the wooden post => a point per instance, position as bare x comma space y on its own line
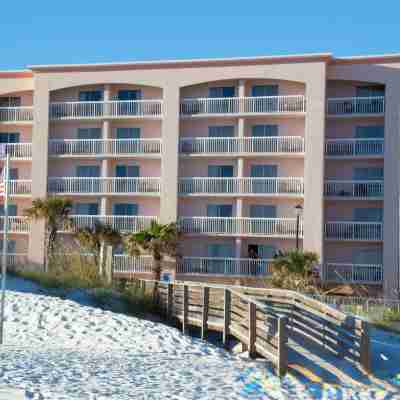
170, 300
109, 264
185, 308
282, 346
252, 329
227, 316
206, 298
365, 357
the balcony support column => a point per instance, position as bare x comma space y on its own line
106, 134
240, 174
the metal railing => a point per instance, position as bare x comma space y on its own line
223, 266
353, 273
19, 150
16, 114
279, 144
16, 224
126, 265
14, 259
128, 223
72, 185
354, 147
355, 105
70, 147
243, 105
356, 189
271, 186
272, 227
369, 231
20, 187
106, 109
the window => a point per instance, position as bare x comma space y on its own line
264, 90
219, 210
368, 173
91, 95
368, 256
220, 250
11, 247
129, 95
368, 214
9, 137
86, 209
220, 171
12, 210
264, 171
88, 171
370, 91
10, 101
125, 209
13, 173
264, 130
262, 211
221, 131
369, 132
127, 171
89, 133
128, 133
225, 91
261, 251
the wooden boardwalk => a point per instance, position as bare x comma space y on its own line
285, 327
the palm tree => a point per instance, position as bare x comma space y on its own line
159, 240
95, 238
55, 212
293, 269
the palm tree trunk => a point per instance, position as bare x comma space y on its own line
101, 259
157, 276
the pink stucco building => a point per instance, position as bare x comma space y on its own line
228, 147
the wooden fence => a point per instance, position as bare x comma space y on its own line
266, 321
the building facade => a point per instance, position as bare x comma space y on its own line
249, 155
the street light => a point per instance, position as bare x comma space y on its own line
299, 210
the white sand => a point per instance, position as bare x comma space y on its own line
61, 349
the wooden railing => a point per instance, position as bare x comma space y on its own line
279, 144
101, 147
16, 114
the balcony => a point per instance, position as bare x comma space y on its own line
354, 231
243, 106
354, 148
114, 109
292, 187
355, 106
123, 223
17, 115
16, 224
16, 259
223, 266
19, 151
125, 265
100, 186
353, 273
235, 226
104, 147
20, 187
242, 146
357, 190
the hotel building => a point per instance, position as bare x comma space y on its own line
249, 155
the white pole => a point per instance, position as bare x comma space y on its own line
5, 248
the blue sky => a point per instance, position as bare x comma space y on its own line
71, 31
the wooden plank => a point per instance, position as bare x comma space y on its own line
227, 314
206, 296
252, 329
185, 310
266, 354
365, 347
282, 346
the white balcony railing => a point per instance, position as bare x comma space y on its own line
123, 223
279, 144
106, 109
244, 105
72, 185
354, 147
20, 187
223, 266
353, 273
235, 186
355, 105
272, 227
369, 231
16, 114
70, 147
354, 189
19, 150
16, 224
14, 259
126, 265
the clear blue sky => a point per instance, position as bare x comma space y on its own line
71, 31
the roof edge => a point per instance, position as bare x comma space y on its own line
21, 73
373, 59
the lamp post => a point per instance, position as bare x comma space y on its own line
299, 210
